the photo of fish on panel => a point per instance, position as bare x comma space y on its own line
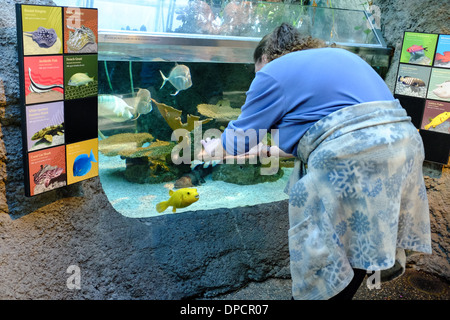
439, 85
442, 57
418, 48
140, 107
436, 116
412, 80
44, 79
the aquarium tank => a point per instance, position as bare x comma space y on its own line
174, 72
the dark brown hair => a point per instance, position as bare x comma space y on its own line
283, 40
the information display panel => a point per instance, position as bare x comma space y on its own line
57, 50
423, 88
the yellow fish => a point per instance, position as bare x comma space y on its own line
440, 118
178, 199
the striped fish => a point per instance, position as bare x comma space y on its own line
411, 81
45, 175
40, 88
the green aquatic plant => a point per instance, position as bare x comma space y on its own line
131, 78
109, 79
107, 76
158, 150
124, 144
135, 145
221, 112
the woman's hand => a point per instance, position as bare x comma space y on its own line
213, 147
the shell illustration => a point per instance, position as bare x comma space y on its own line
79, 38
45, 38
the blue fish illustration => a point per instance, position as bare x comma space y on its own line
82, 164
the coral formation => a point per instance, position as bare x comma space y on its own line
221, 112
243, 174
130, 145
173, 117
144, 164
124, 144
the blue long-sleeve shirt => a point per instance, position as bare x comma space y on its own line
294, 91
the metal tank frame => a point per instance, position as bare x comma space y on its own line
127, 45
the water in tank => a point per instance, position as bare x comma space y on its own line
171, 73
142, 105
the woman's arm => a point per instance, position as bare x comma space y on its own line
213, 149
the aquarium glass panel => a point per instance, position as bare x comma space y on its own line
232, 18
193, 30
139, 114
166, 66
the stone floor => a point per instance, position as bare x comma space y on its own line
413, 285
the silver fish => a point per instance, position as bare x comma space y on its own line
114, 108
179, 77
40, 88
143, 104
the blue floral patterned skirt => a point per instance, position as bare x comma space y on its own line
362, 201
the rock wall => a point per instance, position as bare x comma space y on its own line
398, 16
